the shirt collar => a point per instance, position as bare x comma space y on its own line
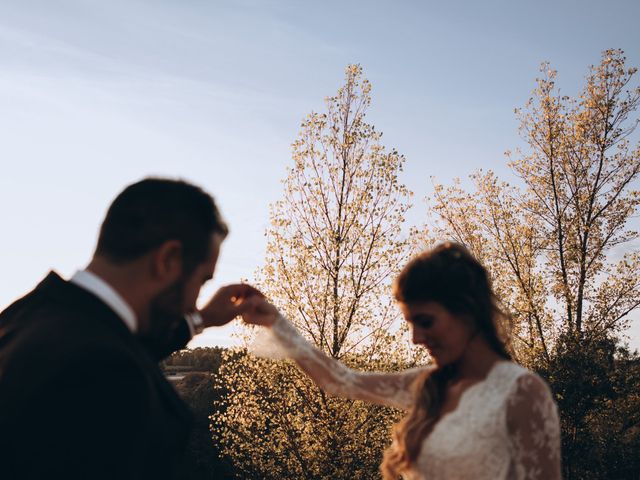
101, 289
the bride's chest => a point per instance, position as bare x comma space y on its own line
478, 416
471, 437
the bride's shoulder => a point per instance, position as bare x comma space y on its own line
514, 369
524, 382
509, 369
511, 375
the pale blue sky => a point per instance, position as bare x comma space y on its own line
95, 95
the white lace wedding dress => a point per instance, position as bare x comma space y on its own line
504, 427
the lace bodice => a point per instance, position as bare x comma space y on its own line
504, 427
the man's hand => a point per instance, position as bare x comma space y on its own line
263, 313
228, 303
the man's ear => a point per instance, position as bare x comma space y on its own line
166, 261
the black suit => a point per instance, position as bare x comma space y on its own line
80, 396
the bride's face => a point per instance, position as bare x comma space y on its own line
443, 334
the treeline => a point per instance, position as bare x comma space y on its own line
196, 359
203, 459
598, 392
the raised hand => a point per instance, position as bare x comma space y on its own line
263, 313
229, 302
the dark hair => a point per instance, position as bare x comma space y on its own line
452, 277
154, 210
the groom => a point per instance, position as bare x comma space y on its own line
81, 394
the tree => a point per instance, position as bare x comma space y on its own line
549, 244
553, 245
597, 393
333, 247
275, 423
335, 240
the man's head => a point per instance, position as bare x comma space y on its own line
155, 210
168, 233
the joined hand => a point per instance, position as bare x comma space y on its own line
228, 303
263, 313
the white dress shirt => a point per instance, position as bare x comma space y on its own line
101, 289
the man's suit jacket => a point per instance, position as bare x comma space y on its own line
80, 396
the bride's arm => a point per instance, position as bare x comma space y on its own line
389, 389
534, 429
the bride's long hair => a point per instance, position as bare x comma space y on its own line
452, 277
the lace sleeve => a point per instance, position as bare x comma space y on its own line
390, 389
534, 429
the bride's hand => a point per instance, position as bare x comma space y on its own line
263, 313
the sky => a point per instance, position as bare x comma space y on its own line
96, 95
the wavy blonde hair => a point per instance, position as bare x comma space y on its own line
452, 277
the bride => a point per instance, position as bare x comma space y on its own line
475, 414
